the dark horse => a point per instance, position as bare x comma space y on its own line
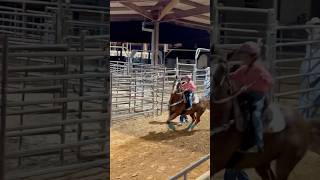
177, 105
286, 147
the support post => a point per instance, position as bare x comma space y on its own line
155, 43
3, 105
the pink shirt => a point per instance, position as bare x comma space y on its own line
257, 74
189, 86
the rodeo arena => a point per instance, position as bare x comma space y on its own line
63, 82
144, 75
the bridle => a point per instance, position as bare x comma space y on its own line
179, 93
225, 79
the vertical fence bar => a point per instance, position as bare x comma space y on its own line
3, 105
163, 87
81, 90
271, 43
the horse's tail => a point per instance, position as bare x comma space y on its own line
315, 135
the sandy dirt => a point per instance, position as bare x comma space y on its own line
145, 149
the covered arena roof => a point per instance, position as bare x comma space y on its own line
190, 13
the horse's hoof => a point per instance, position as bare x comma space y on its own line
190, 128
171, 126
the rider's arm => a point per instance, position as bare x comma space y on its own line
265, 76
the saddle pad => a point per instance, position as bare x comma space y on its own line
273, 122
196, 99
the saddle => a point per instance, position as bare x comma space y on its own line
195, 99
272, 117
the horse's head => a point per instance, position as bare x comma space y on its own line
176, 102
222, 88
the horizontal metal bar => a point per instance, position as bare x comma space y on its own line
297, 75
190, 167
239, 30
300, 43
296, 92
56, 100
25, 29
24, 174
241, 9
49, 130
25, 14
47, 110
40, 68
59, 123
59, 54
46, 47
295, 27
54, 148
57, 77
296, 59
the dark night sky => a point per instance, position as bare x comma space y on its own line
169, 33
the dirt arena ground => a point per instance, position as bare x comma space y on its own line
145, 149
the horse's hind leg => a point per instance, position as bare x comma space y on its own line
265, 172
286, 163
193, 116
198, 115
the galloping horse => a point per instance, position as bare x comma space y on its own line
286, 147
177, 105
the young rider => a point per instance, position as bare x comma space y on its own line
188, 86
255, 82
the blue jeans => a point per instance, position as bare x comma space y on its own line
183, 118
257, 122
232, 174
188, 95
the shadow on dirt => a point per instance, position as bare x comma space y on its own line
169, 135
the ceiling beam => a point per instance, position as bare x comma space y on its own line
191, 3
127, 17
167, 8
120, 1
179, 14
138, 9
191, 24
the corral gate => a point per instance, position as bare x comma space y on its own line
54, 100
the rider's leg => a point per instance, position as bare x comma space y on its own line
257, 123
189, 99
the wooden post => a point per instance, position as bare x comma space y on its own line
3, 105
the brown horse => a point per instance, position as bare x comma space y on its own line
287, 147
177, 105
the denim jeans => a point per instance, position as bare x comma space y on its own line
232, 174
257, 122
188, 95
183, 118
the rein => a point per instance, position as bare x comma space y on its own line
174, 104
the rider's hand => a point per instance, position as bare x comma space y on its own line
243, 88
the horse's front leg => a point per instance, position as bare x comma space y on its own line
170, 118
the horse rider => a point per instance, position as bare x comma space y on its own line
188, 87
255, 82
